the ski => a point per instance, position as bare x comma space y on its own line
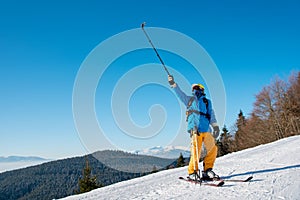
217, 183
214, 184
239, 180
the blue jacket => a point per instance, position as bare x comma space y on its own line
196, 120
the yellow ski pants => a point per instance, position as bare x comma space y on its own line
211, 149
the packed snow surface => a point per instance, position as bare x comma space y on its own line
275, 168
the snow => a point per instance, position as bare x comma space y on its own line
275, 167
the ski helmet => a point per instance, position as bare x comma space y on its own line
197, 86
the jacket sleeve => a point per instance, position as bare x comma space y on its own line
182, 96
213, 120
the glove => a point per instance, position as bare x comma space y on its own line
194, 132
216, 131
171, 80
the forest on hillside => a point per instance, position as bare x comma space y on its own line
57, 179
275, 115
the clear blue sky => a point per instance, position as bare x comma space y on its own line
43, 44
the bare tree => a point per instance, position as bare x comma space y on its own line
275, 115
293, 104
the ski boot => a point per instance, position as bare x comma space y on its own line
194, 176
209, 175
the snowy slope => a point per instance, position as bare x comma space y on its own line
275, 167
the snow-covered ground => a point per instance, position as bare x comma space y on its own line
275, 167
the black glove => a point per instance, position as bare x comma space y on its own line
171, 80
194, 132
216, 131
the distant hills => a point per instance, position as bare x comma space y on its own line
171, 152
17, 162
21, 159
56, 179
134, 163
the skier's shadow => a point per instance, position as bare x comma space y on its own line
261, 172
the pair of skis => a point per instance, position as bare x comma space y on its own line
217, 183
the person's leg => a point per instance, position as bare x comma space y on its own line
212, 150
196, 144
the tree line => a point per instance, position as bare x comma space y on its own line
275, 115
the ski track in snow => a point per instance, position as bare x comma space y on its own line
275, 167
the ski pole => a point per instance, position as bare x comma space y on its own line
197, 156
162, 62
194, 152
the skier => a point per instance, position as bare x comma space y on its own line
200, 116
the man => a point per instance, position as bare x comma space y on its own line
200, 116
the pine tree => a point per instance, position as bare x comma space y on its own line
88, 182
225, 143
180, 161
241, 136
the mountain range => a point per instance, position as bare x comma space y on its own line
56, 179
171, 152
21, 159
168, 152
16, 162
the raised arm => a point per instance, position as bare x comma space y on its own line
182, 96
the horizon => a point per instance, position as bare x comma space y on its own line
89, 153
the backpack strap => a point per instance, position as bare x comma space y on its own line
189, 112
207, 115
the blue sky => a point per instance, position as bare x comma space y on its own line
43, 45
